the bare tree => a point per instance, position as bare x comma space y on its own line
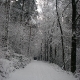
58, 19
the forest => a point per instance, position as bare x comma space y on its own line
42, 30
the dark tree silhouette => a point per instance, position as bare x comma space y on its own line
73, 51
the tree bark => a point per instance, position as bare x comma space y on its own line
73, 50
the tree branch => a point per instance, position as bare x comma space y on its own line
77, 1
77, 18
66, 8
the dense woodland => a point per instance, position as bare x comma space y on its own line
46, 30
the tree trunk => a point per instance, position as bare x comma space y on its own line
51, 53
55, 51
21, 15
29, 46
7, 8
47, 50
58, 19
73, 51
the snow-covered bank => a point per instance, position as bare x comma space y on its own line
38, 70
10, 61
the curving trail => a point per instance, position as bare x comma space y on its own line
38, 70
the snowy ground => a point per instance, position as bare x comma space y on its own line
38, 70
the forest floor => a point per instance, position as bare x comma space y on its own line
38, 70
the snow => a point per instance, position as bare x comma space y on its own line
6, 67
38, 70
10, 63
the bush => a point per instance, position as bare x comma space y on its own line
19, 61
6, 67
11, 63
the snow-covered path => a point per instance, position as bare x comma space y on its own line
38, 70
